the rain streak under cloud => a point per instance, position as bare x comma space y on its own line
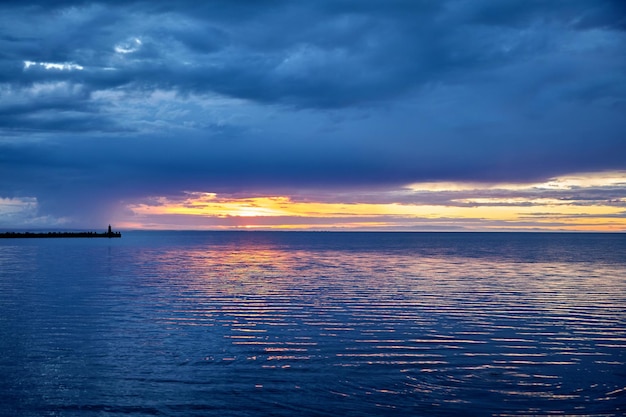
391, 115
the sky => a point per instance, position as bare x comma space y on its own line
408, 115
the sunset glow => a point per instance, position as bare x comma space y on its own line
538, 206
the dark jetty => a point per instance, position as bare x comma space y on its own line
108, 234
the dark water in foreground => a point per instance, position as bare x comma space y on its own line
313, 324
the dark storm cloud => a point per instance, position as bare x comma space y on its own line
140, 98
320, 54
581, 14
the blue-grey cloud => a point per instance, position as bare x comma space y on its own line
137, 98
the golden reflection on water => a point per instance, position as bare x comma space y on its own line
535, 285
274, 280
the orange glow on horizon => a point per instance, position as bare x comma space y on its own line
468, 207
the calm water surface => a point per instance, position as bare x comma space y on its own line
313, 324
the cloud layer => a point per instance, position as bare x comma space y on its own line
107, 103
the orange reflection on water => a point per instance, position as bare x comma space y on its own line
265, 283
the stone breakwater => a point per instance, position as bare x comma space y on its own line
8, 235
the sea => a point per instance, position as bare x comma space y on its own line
255, 323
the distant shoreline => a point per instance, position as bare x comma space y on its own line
21, 235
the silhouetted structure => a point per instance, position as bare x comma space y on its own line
110, 233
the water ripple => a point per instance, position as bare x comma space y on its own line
268, 326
